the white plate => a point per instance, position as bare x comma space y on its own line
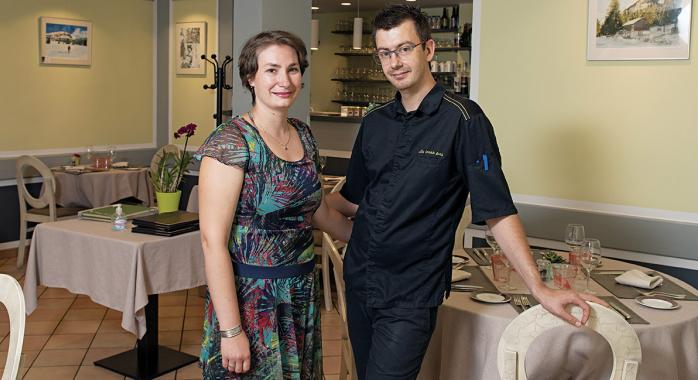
490, 297
457, 259
657, 302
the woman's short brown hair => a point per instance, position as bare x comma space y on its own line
247, 62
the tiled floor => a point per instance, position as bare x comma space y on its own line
68, 332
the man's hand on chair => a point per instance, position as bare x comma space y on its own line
555, 301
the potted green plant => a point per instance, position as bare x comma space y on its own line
168, 175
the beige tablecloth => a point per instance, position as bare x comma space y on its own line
98, 189
464, 343
115, 269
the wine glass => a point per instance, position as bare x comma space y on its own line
322, 161
590, 258
111, 151
89, 153
574, 237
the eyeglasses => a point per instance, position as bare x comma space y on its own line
383, 55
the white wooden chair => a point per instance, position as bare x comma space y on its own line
155, 161
525, 328
324, 260
193, 202
12, 298
346, 362
43, 208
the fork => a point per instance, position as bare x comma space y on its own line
526, 302
517, 301
665, 294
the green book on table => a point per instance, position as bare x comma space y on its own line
105, 213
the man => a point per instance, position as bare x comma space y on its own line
414, 162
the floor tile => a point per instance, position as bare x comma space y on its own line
170, 338
331, 377
26, 361
120, 339
46, 315
331, 332
85, 314
170, 324
94, 354
77, 327
194, 300
113, 314
69, 341
190, 372
55, 358
31, 343
330, 365
54, 303
191, 337
172, 300
331, 347
170, 311
110, 325
39, 327
57, 293
194, 323
96, 373
192, 349
51, 373
85, 303
195, 311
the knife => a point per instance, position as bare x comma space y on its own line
476, 253
620, 311
483, 254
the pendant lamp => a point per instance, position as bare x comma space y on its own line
358, 29
314, 34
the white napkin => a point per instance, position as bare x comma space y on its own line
458, 275
638, 279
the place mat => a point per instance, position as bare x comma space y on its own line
607, 279
480, 255
634, 318
478, 278
531, 300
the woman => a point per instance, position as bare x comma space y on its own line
258, 193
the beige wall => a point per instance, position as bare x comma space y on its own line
54, 107
622, 133
190, 102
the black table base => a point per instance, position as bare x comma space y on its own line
148, 360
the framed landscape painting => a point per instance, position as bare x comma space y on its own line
638, 29
65, 41
190, 44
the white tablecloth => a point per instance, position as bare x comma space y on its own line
464, 343
102, 188
116, 269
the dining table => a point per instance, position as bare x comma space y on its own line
88, 187
465, 340
121, 270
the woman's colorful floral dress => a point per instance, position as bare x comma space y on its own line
272, 227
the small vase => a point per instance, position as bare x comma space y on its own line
168, 202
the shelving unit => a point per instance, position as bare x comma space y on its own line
360, 80
351, 103
349, 32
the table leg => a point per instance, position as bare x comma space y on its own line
148, 360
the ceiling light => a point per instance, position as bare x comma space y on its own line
314, 8
345, 4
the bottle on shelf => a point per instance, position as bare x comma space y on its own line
118, 219
454, 16
444, 19
456, 37
465, 35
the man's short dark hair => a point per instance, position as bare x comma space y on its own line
247, 63
394, 15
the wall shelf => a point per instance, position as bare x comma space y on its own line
351, 103
353, 54
348, 32
452, 49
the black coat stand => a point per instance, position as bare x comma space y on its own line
218, 84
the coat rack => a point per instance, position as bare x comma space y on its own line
218, 84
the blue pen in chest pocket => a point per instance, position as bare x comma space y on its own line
485, 163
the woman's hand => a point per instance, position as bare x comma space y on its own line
235, 353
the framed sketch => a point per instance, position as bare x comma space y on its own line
190, 44
638, 29
65, 41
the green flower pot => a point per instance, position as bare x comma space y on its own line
168, 202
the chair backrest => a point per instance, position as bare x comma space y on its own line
155, 161
525, 328
12, 297
47, 197
338, 269
465, 220
193, 202
339, 185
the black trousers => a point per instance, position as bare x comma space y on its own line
388, 343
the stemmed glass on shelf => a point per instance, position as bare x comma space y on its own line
590, 258
574, 237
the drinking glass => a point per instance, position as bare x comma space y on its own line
322, 161
590, 258
111, 152
574, 237
89, 153
501, 271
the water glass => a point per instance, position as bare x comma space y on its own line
501, 271
574, 237
590, 256
563, 275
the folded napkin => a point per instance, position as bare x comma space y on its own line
638, 279
458, 275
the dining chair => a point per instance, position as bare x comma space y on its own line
525, 328
43, 208
324, 260
193, 202
157, 157
346, 361
12, 298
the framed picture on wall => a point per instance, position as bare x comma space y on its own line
638, 29
190, 44
65, 41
